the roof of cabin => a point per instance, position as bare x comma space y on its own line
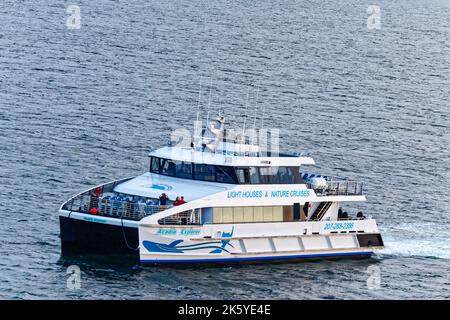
229, 158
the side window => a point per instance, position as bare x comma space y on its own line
267, 174
288, 176
167, 167
254, 175
154, 166
204, 172
183, 169
243, 175
225, 174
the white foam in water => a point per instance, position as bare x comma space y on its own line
417, 239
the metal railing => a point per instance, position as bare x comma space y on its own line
335, 188
103, 201
111, 207
351, 218
116, 206
190, 217
105, 188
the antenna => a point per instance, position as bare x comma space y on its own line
256, 114
262, 129
199, 97
262, 117
209, 101
245, 116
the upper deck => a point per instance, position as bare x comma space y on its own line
215, 145
215, 173
228, 157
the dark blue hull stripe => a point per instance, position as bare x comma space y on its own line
319, 255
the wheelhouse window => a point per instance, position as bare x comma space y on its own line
268, 175
243, 175
154, 164
225, 174
167, 167
183, 169
204, 172
254, 175
278, 175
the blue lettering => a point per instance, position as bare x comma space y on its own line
166, 231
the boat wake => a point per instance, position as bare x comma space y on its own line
416, 239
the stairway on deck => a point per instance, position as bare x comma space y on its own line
321, 210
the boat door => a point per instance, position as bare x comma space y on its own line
297, 209
299, 214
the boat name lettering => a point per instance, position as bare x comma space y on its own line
94, 220
173, 232
189, 232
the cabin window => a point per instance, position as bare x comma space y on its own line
183, 169
254, 175
268, 175
243, 175
204, 172
167, 167
251, 214
225, 175
284, 175
154, 165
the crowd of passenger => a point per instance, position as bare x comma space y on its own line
113, 204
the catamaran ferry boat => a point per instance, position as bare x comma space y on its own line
242, 204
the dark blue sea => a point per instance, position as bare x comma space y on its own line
79, 107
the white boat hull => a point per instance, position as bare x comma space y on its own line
291, 241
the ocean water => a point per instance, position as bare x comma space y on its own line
83, 106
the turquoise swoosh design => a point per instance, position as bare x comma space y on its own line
174, 247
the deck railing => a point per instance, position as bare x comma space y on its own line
103, 201
190, 217
111, 207
341, 188
105, 188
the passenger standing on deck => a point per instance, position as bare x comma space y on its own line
177, 201
184, 218
163, 200
98, 192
